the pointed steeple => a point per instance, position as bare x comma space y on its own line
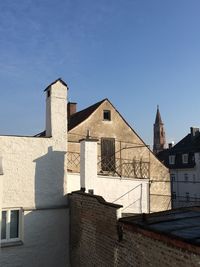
159, 133
158, 119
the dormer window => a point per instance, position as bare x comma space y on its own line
106, 115
172, 159
185, 158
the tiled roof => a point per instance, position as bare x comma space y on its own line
82, 115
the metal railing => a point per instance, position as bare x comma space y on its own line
124, 168
113, 166
73, 162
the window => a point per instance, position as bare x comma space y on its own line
106, 115
48, 93
187, 196
185, 177
172, 159
185, 158
108, 154
11, 222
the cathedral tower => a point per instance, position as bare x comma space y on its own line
159, 134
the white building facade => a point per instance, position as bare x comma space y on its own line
183, 161
186, 184
33, 207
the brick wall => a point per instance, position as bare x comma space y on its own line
93, 230
98, 239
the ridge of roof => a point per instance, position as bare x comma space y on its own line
60, 80
80, 116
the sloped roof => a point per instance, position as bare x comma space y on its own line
78, 117
60, 80
188, 145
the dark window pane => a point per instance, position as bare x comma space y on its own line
14, 224
108, 154
3, 225
107, 115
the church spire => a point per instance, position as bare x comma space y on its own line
158, 119
159, 133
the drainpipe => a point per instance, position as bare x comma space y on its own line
88, 164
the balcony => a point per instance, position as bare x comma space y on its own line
115, 166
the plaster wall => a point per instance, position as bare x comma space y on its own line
33, 172
46, 241
133, 194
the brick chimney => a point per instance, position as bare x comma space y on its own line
71, 108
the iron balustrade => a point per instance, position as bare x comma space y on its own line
120, 167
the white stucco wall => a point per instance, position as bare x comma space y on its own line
46, 238
34, 179
33, 172
133, 194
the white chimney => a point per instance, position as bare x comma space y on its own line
56, 109
88, 165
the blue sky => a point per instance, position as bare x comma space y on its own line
137, 53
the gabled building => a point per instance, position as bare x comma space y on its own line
183, 161
125, 162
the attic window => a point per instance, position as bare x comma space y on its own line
48, 93
106, 115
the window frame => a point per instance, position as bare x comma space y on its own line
172, 159
8, 239
185, 158
108, 112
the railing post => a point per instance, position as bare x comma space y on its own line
120, 161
